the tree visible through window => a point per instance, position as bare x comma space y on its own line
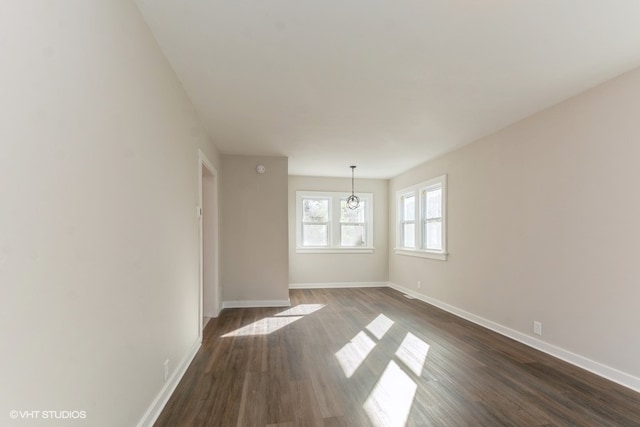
325, 223
352, 225
315, 222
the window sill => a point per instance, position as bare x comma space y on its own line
442, 256
334, 250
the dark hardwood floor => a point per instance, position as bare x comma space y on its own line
372, 357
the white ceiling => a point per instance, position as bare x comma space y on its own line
383, 84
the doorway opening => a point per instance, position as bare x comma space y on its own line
210, 295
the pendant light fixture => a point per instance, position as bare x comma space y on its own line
353, 201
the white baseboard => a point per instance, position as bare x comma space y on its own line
338, 285
257, 303
597, 368
167, 390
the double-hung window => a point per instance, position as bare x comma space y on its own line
421, 219
325, 224
408, 220
353, 225
315, 221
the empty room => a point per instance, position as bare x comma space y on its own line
292, 213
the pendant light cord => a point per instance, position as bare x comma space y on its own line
353, 168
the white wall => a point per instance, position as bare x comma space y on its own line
332, 269
98, 232
543, 225
253, 230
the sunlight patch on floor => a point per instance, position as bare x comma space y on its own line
413, 353
380, 325
354, 353
391, 399
264, 326
280, 320
301, 310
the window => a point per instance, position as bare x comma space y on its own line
408, 220
315, 222
421, 219
353, 227
432, 222
326, 224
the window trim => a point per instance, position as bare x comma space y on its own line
420, 190
334, 226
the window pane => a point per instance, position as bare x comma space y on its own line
434, 203
352, 215
352, 235
409, 208
315, 235
315, 210
408, 235
433, 235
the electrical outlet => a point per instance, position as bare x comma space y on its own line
537, 327
166, 370
418, 283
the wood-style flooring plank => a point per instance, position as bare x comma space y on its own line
372, 357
